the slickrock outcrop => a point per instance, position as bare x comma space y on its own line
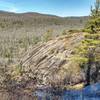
44, 66
49, 63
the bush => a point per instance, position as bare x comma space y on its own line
47, 36
36, 39
73, 31
65, 32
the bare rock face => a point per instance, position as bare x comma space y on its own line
42, 66
49, 63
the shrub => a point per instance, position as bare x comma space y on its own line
47, 36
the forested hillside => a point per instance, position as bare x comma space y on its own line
47, 52
19, 31
19, 20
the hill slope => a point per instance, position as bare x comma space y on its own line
50, 62
19, 30
19, 20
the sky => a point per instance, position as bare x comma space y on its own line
62, 8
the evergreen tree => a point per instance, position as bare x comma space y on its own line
93, 24
88, 53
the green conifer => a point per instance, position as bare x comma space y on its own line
88, 53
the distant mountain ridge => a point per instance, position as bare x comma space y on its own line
37, 13
9, 19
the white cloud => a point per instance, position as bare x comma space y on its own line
8, 6
13, 9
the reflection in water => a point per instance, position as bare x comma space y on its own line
89, 93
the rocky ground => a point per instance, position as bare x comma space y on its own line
44, 65
49, 63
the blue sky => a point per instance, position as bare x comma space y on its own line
55, 7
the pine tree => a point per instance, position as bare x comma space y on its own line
88, 53
93, 24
